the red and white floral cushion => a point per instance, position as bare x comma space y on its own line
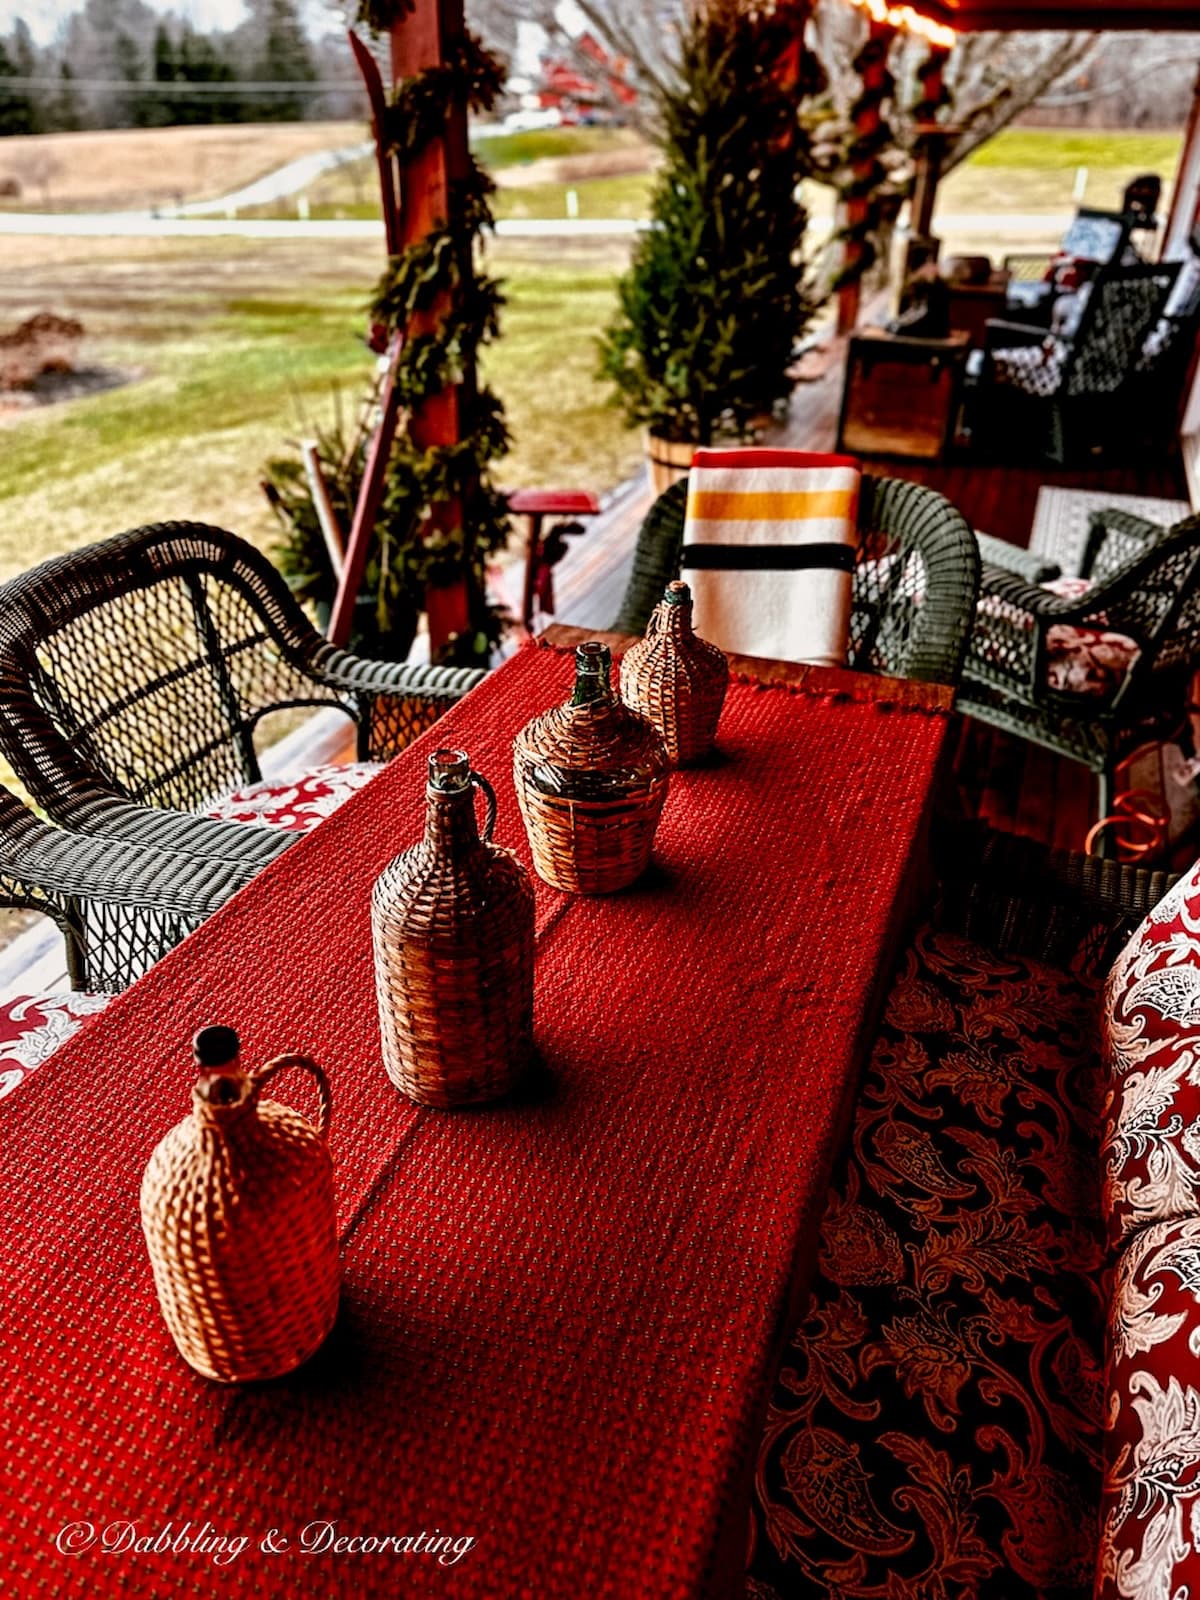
1151, 1144
297, 803
1150, 1530
33, 1026
1086, 661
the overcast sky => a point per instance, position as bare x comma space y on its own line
44, 16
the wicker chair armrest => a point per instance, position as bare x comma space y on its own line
1027, 564
112, 870
339, 670
1000, 334
1135, 534
1042, 606
110, 818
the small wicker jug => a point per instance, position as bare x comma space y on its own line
677, 679
591, 779
238, 1214
452, 920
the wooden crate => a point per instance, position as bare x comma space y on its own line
901, 394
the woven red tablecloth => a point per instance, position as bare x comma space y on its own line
557, 1317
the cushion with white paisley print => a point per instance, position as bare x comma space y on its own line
33, 1026
1150, 1528
1089, 661
1151, 1141
297, 803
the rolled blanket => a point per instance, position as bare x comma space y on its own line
769, 547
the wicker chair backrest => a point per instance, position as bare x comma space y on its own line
916, 581
146, 661
1123, 306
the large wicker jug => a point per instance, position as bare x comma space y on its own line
238, 1214
591, 779
677, 679
452, 920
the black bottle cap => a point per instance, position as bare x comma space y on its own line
215, 1047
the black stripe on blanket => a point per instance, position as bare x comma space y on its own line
768, 557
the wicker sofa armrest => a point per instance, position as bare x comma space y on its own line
1018, 896
203, 838
1027, 564
1042, 606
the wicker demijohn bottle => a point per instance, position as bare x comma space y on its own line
238, 1214
677, 679
591, 779
452, 920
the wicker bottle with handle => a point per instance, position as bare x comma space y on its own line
238, 1214
677, 679
452, 920
591, 779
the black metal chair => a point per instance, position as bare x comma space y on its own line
134, 674
1146, 587
1062, 393
916, 578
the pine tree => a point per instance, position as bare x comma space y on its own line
16, 108
285, 58
64, 113
24, 56
715, 299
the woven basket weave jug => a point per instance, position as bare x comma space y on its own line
591, 780
238, 1214
677, 679
452, 920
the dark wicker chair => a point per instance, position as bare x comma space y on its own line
118, 906
1147, 587
1063, 395
915, 582
134, 673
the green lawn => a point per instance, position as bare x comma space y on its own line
241, 346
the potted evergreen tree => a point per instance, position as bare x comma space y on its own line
716, 296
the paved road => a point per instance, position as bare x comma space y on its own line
290, 179
145, 225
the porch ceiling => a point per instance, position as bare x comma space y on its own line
1145, 15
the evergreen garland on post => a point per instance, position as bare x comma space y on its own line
866, 177
715, 299
435, 282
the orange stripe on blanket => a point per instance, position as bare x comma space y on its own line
768, 505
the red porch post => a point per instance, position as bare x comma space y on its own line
419, 40
868, 118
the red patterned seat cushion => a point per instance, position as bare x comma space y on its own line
935, 1430
297, 803
1150, 1532
1151, 1144
33, 1026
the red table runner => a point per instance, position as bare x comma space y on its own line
557, 1316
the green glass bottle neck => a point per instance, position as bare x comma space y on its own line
593, 676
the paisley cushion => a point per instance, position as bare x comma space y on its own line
1150, 1538
935, 1430
296, 803
33, 1026
1151, 1146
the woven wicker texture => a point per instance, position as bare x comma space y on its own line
557, 1317
238, 1213
591, 778
134, 673
676, 680
452, 923
1147, 586
916, 579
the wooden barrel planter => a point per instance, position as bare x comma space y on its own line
668, 461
